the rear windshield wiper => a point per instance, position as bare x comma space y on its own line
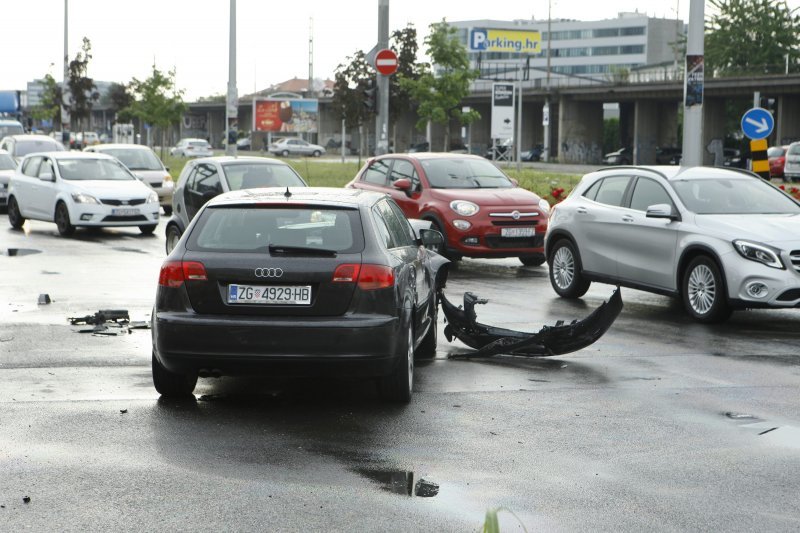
301, 250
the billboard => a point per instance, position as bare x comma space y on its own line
694, 80
9, 102
286, 115
496, 40
502, 110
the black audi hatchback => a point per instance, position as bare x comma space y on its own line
297, 282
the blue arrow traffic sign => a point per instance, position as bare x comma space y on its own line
757, 123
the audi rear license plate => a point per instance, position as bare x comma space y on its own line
517, 232
124, 212
271, 295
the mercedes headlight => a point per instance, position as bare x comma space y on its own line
760, 253
464, 208
81, 198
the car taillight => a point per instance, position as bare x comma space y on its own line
374, 277
174, 273
369, 277
347, 273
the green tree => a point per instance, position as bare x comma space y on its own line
440, 90
350, 80
82, 90
119, 100
157, 101
751, 36
50, 106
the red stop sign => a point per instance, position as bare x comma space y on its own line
386, 62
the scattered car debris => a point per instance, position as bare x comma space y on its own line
108, 323
123, 411
101, 317
26, 499
550, 340
426, 489
44, 299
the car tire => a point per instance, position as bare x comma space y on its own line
173, 236
316, 153
565, 271
167, 210
285, 153
171, 384
65, 227
703, 291
397, 386
533, 260
15, 218
147, 230
427, 348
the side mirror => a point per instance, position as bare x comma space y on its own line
431, 237
403, 184
515, 181
46, 176
662, 211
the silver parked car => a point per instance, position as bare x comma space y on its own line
791, 168
145, 165
295, 146
7, 167
192, 148
719, 239
207, 177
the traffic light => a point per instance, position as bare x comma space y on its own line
371, 97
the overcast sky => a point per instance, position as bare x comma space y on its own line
192, 35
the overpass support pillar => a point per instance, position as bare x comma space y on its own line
580, 131
645, 132
787, 123
713, 125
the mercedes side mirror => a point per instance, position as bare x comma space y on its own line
662, 211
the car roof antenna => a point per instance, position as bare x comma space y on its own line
288, 193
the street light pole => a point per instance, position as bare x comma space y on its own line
693, 87
546, 108
382, 118
65, 118
232, 100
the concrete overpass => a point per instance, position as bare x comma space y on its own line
649, 114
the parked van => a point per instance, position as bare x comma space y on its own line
10, 127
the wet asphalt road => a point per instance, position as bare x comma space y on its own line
663, 424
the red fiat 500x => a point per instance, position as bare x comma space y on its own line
480, 211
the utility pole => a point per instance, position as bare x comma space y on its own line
693, 87
232, 101
546, 108
65, 118
382, 118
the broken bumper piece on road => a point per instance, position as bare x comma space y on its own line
550, 340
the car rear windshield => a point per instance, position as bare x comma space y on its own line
252, 175
10, 129
256, 229
25, 147
199, 144
464, 174
93, 169
794, 149
733, 196
136, 159
6, 162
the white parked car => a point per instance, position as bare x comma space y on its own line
76, 189
145, 165
295, 146
22, 145
192, 148
7, 167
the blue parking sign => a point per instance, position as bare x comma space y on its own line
757, 123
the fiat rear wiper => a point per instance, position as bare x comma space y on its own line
301, 250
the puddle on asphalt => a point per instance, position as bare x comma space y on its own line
128, 249
783, 436
401, 482
14, 252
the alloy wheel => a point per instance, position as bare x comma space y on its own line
702, 289
563, 268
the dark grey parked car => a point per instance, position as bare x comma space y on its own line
308, 281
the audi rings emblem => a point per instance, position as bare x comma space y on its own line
268, 272
515, 215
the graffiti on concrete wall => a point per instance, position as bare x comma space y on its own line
581, 152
